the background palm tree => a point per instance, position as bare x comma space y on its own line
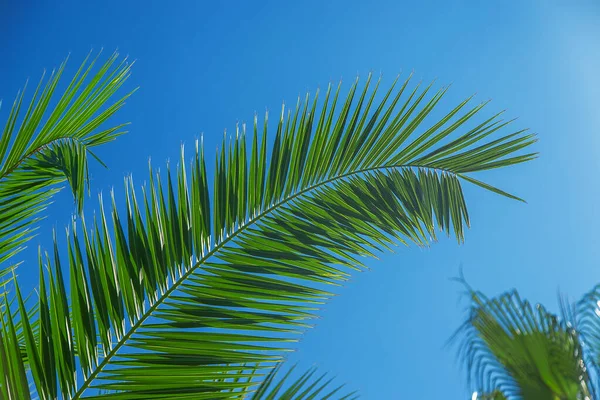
200, 276
513, 350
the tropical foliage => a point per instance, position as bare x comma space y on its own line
201, 275
47, 142
514, 350
307, 386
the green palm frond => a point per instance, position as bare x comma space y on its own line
199, 277
521, 352
308, 386
253, 385
46, 142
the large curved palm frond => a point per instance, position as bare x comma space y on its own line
46, 142
196, 278
521, 352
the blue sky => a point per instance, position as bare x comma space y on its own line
203, 67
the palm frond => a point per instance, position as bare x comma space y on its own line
275, 384
196, 278
308, 386
521, 351
47, 144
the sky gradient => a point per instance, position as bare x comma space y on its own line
201, 68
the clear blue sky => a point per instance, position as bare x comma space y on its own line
201, 68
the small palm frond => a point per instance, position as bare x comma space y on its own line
306, 387
48, 144
197, 278
524, 352
253, 385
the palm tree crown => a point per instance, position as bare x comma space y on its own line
514, 350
